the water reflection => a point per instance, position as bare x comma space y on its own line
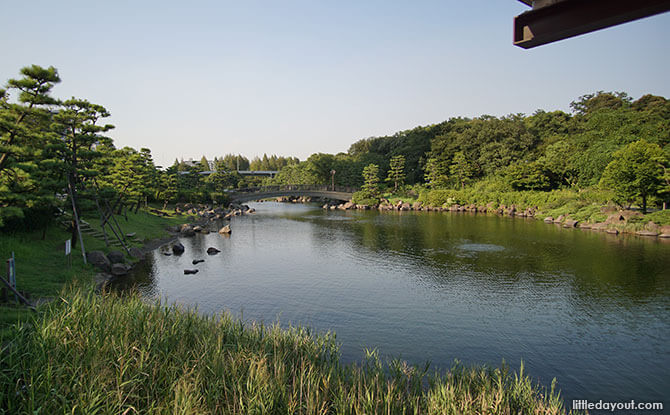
589, 308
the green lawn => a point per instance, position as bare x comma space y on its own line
41, 265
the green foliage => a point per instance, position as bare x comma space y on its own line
661, 217
396, 173
273, 162
221, 179
528, 176
461, 168
436, 173
371, 180
635, 173
28, 180
108, 354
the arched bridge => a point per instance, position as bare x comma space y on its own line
267, 192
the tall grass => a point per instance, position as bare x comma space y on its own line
106, 354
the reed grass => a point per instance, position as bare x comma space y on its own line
107, 354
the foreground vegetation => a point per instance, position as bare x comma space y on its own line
106, 354
42, 268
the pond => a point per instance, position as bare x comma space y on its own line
589, 308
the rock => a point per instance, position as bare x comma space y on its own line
417, 205
570, 223
251, 210
120, 269
225, 230
131, 235
167, 254
612, 231
349, 205
615, 218
651, 226
325, 206
197, 229
197, 261
664, 235
116, 257
559, 219
630, 214
99, 260
136, 253
187, 230
212, 251
177, 248
190, 271
405, 207
205, 232
333, 207
646, 233
602, 226
548, 219
585, 226
173, 229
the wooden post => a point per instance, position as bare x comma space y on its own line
18, 295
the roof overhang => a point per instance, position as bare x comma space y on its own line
552, 20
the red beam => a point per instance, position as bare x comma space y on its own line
567, 18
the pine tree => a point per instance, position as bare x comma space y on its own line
27, 172
396, 172
204, 164
371, 180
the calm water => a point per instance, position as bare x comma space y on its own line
591, 309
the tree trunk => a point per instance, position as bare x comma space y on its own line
73, 237
165, 204
644, 204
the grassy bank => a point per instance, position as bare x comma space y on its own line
41, 265
585, 205
87, 354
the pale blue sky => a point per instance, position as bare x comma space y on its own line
298, 77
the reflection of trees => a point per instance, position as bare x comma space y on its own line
608, 269
142, 277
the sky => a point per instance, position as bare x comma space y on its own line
292, 78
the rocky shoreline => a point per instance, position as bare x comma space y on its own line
114, 265
617, 222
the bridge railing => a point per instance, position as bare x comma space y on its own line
297, 187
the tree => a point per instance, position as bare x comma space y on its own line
167, 189
396, 172
635, 173
528, 176
28, 173
371, 180
204, 164
560, 161
461, 169
220, 180
436, 173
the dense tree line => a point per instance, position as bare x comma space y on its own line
55, 158
543, 151
55, 154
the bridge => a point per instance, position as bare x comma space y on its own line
268, 192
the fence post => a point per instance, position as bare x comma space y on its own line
11, 273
